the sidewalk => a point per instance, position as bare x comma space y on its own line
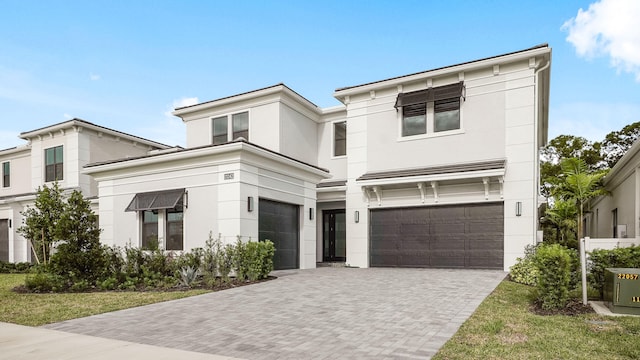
23, 342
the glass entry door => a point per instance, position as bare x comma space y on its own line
334, 235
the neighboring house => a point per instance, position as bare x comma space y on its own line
615, 220
433, 169
55, 153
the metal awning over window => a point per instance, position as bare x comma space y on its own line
431, 94
156, 200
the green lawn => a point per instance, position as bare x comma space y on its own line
40, 309
503, 328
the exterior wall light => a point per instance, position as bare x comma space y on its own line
356, 216
310, 213
250, 204
519, 208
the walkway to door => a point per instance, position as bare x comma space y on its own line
323, 313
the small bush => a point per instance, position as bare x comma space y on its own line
554, 276
241, 259
625, 257
524, 271
225, 256
42, 282
266, 250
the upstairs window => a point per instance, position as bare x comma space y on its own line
6, 174
53, 164
220, 130
238, 123
446, 115
414, 119
431, 110
340, 138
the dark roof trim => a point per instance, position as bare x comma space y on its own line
239, 140
87, 123
156, 200
250, 92
332, 184
545, 45
435, 170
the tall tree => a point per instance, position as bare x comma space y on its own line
579, 185
41, 220
617, 143
565, 147
80, 254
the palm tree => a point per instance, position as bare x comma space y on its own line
563, 217
580, 186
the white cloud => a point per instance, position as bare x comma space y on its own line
608, 28
184, 102
592, 121
94, 77
67, 116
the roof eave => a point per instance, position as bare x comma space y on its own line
467, 66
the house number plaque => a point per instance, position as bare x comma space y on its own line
228, 176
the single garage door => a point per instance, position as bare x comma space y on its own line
279, 222
460, 236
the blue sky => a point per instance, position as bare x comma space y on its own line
127, 64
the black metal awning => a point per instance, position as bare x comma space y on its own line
431, 94
156, 200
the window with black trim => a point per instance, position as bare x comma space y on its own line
149, 229
238, 123
53, 164
340, 138
174, 229
6, 174
431, 110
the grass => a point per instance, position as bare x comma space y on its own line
503, 328
40, 309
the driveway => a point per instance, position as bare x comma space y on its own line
322, 313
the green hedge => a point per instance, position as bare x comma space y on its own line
15, 268
626, 257
554, 266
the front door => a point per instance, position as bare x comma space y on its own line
334, 235
4, 240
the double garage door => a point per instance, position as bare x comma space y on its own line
460, 236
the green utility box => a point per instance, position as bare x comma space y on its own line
622, 290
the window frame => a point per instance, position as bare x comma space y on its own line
56, 165
153, 228
230, 134
6, 175
334, 139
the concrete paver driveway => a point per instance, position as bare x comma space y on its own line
322, 313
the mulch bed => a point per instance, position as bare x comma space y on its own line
574, 307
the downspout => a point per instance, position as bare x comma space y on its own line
536, 147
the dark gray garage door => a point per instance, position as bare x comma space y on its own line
279, 222
460, 236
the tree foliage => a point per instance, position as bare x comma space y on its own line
42, 219
579, 185
617, 143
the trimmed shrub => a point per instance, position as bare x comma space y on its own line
266, 249
554, 276
625, 257
241, 259
15, 268
43, 282
524, 271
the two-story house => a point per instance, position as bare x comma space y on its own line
55, 153
433, 169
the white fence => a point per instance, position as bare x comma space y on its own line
608, 244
